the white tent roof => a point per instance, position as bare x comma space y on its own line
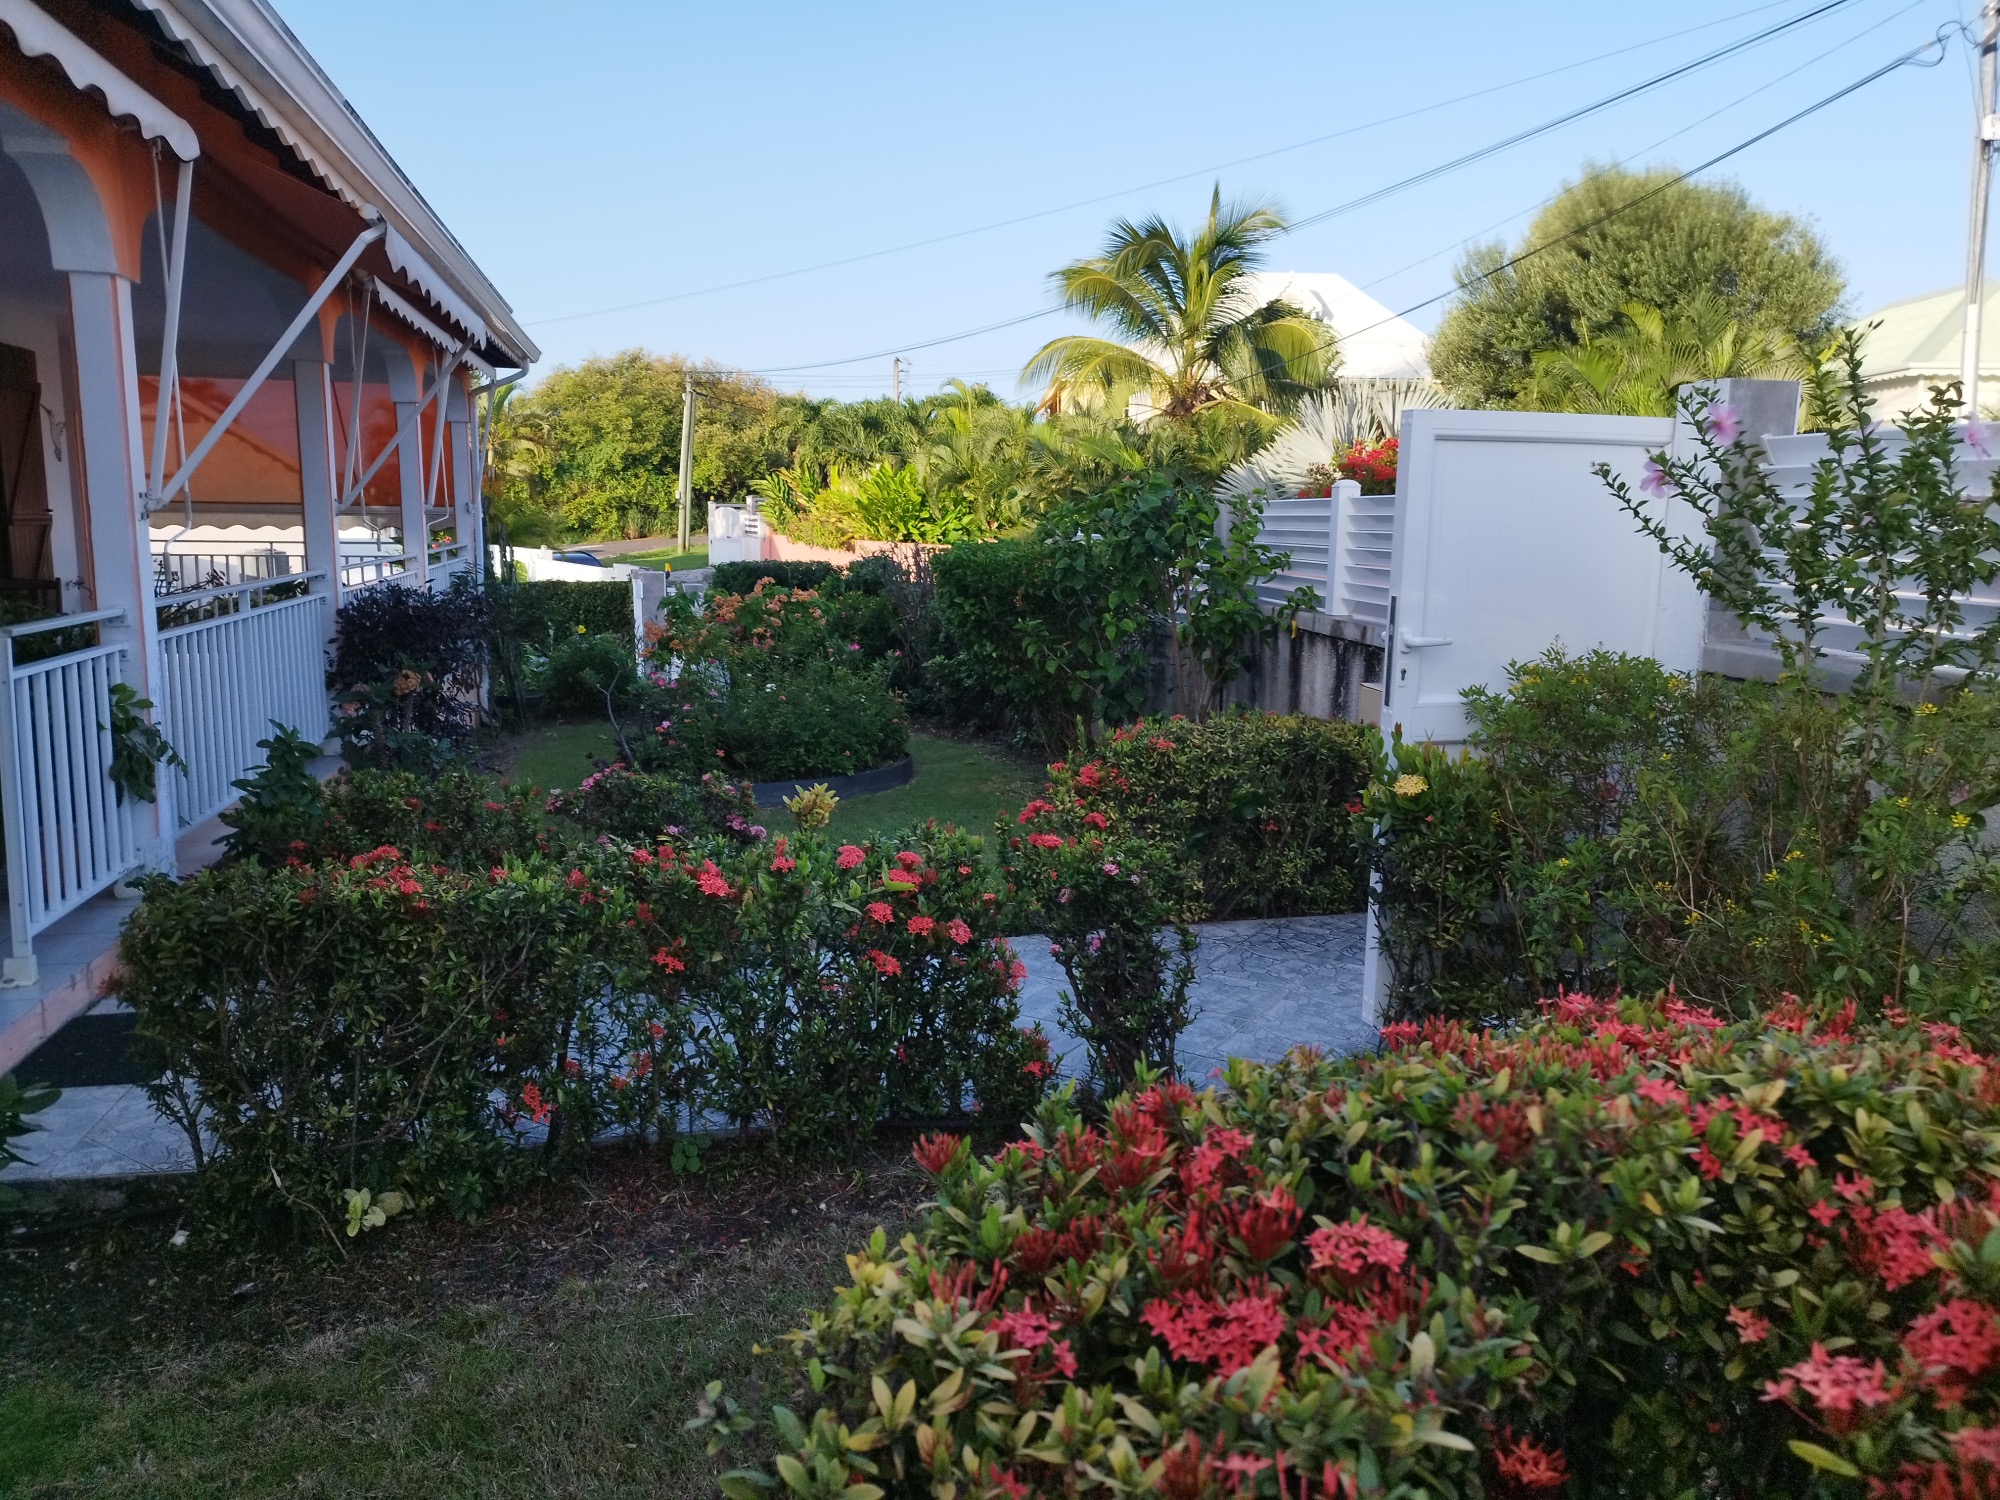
1374, 343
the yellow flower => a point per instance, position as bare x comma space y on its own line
579, 630
1902, 802
1926, 708
1408, 785
1960, 820
1794, 857
1770, 876
1562, 864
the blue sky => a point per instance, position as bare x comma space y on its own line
608, 152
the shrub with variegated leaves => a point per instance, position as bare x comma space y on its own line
1625, 1249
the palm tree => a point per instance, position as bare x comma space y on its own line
1190, 334
1634, 369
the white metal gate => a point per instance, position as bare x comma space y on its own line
226, 679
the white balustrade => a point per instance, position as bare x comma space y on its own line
218, 565
68, 834
226, 678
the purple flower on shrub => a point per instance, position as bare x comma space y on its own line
1724, 425
1654, 480
1110, 868
1975, 439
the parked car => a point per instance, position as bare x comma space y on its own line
587, 559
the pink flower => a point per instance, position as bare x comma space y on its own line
1350, 1251
1724, 424
1046, 840
709, 880
1110, 868
1837, 1383
921, 926
879, 911
1974, 436
849, 857
885, 963
958, 932
1653, 479
1751, 1327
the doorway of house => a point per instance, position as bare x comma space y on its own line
28, 587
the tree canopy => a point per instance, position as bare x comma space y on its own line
1690, 250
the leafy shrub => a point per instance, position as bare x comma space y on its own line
407, 672
742, 577
1065, 628
1625, 1249
1823, 835
628, 804
1261, 805
1105, 894
459, 817
585, 675
16, 1104
533, 631
541, 613
438, 1030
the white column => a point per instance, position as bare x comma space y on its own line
410, 458
110, 437
319, 480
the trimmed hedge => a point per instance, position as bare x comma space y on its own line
1623, 1250
742, 577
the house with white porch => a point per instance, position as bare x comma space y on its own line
244, 373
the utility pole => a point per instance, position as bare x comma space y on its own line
896, 364
1982, 172
687, 454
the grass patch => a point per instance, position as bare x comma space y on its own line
555, 1349
956, 782
680, 562
554, 757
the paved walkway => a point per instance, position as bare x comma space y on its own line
1261, 988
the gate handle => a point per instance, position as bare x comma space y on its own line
1419, 642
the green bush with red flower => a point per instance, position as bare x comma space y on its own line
1627, 1248
377, 1023
1261, 806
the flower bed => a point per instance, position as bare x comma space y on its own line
1626, 1247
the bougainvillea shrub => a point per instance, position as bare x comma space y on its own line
1624, 1249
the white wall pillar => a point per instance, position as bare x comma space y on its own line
319, 480
110, 441
410, 458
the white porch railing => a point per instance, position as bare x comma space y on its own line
218, 565
68, 835
360, 570
227, 677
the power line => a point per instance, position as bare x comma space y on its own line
1908, 59
1318, 140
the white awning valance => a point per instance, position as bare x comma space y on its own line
453, 306
40, 35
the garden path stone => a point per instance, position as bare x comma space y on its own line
1261, 987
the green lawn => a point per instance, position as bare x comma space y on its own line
554, 757
969, 785
555, 1349
680, 562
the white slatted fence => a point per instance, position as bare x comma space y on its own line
226, 678
68, 835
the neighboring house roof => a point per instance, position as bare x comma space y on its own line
254, 57
1923, 337
1374, 343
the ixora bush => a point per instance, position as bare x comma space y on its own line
769, 685
1824, 835
335, 1031
1262, 806
630, 804
1625, 1249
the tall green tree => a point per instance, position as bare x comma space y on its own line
597, 445
1634, 369
1187, 330
1687, 247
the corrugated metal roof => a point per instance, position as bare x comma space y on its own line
1924, 335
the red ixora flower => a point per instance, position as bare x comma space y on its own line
879, 911
1837, 1383
885, 963
1528, 1464
668, 962
921, 926
536, 1106
1751, 1327
1265, 1223
708, 880
1046, 840
936, 1151
1952, 1344
908, 859
848, 857
957, 930
1202, 1329
1352, 1251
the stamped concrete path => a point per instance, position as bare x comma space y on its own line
1261, 988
